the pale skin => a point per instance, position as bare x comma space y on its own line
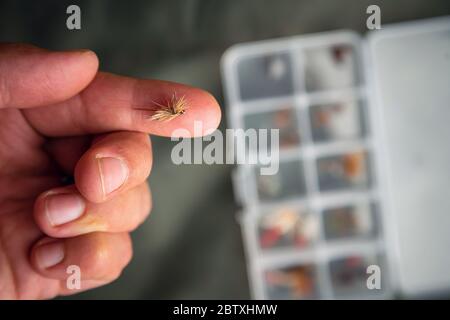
60, 116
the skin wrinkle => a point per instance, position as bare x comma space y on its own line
30, 137
74, 106
79, 99
6, 232
47, 83
10, 270
81, 103
14, 197
16, 124
30, 125
139, 112
4, 92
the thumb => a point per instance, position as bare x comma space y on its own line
32, 77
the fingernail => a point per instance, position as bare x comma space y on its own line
63, 208
49, 254
113, 173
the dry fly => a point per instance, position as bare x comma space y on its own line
172, 109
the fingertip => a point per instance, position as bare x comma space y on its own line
72, 71
202, 117
47, 253
116, 163
215, 116
57, 208
99, 256
210, 115
34, 77
64, 213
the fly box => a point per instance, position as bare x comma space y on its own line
360, 204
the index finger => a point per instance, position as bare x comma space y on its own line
112, 103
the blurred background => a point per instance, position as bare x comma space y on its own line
190, 247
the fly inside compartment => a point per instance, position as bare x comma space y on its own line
316, 221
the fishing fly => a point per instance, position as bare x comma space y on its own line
173, 108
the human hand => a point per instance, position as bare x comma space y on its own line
59, 116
